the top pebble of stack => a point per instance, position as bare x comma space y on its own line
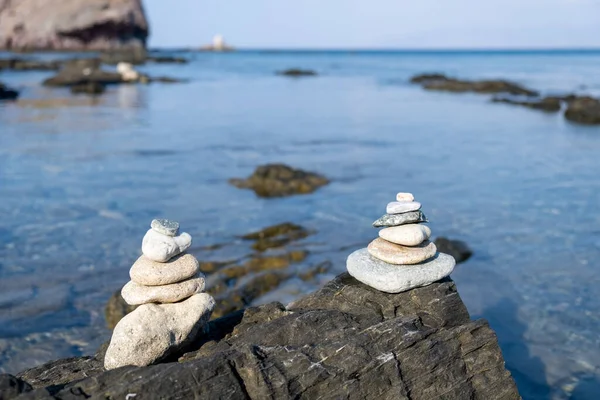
165, 226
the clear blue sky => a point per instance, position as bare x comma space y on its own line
376, 23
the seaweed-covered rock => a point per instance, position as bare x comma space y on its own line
584, 110
444, 83
278, 180
547, 104
297, 72
72, 24
74, 77
7, 93
344, 341
456, 248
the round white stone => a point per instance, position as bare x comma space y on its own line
399, 207
406, 235
397, 278
161, 248
405, 197
153, 331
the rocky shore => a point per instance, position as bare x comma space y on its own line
346, 340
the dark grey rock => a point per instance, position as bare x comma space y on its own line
547, 104
344, 341
456, 248
584, 110
61, 372
11, 387
400, 219
297, 72
444, 83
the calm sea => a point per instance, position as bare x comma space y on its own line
80, 181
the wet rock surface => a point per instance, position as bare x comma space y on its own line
72, 24
11, 387
548, 104
7, 93
279, 180
456, 248
584, 110
297, 72
443, 83
345, 340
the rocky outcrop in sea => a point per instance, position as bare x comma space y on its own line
72, 24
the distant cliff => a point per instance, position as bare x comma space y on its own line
72, 24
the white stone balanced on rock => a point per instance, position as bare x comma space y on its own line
167, 285
402, 257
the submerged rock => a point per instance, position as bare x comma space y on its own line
72, 24
297, 73
456, 248
278, 180
7, 93
276, 236
72, 76
91, 88
444, 83
584, 110
346, 340
548, 104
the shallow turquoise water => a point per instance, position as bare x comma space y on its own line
79, 183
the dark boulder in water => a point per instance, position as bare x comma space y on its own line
297, 72
548, 104
584, 110
278, 180
344, 341
7, 93
443, 83
456, 248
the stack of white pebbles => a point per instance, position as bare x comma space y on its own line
167, 285
402, 257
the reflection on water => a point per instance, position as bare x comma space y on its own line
79, 185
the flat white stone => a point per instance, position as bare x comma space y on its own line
153, 331
135, 294
399, 207
405, 197
153, 273
406, 235
391, 278
159, 247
